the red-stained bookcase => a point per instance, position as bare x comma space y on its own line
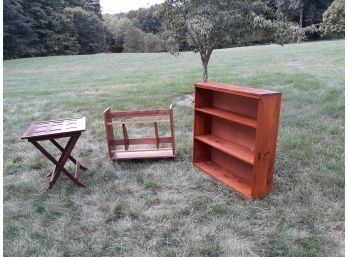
235, 136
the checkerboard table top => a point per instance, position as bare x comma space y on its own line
55, 127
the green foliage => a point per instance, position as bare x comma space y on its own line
333, 20
53, 30
153, 44
137, 41
306, 12
134, 40
209, 25
41, 28
146, 19
92, 6
205, 25
56, 27
88, 30
289, 10
117, 27
18, 34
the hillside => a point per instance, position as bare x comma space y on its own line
167, 208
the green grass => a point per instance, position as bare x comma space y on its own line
166, 207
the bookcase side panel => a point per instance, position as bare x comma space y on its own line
266, 140
274, 138
202, 125
203, 98
202, 152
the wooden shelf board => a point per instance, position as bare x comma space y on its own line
137, 122
230, 116
223, 175
142, 154
236, 90
238, 151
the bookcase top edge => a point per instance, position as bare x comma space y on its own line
243, 90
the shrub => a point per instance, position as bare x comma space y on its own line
134, 41
153, 44
333, 20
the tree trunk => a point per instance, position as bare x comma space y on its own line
205, 71
205, 56
301, 17
301, 23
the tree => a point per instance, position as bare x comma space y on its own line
52, 30
18, 34
118, 27
206, 25
134, 41
92, 6
290, 10
146, 19
333, 20
88, 30
304, 12
153, 44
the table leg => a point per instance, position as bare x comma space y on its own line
70, 157
62, 160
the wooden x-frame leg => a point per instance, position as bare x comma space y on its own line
70, 157
62, 160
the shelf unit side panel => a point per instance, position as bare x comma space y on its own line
202, 124
274, 138
202, 152
203, 98
266, 140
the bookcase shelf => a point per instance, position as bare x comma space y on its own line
235, 136
239, 151
244, 120
225, 176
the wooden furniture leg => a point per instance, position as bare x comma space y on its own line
62, 160
70, 157
125, 137
156, 135
172, 133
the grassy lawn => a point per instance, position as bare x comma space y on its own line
166, 207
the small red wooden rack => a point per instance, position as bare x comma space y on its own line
235, 135
57, 129
128, 119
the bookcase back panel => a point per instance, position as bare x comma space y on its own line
234, 166
234, 103
234, 132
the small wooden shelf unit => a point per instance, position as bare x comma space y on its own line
235, 135
148, 153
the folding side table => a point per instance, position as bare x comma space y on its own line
52, 130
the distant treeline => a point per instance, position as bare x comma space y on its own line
64, 27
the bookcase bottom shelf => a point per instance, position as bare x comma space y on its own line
143, 154
225, 176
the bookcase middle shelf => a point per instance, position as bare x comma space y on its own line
228, 115
236, 150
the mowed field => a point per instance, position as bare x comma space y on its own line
166, 207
